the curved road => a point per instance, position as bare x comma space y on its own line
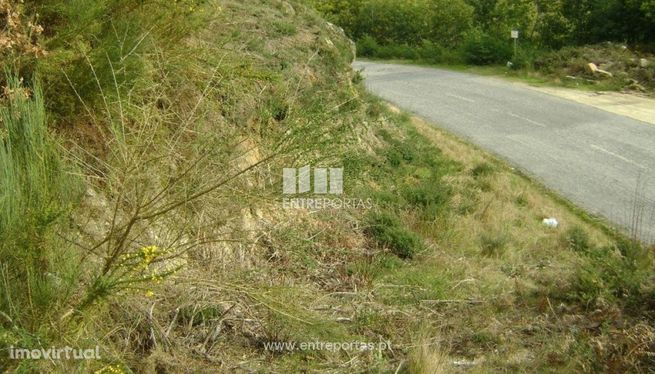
601, 161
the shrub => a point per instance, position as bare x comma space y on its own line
85, 54
480, 48
430, 196
525, 57
367, 46
492, 244
394, 158
34, 186
577, 239
438, 54
619, 271
284, 28
482, 170
388, 231
35, 190
397, 29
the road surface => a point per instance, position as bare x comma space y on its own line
601, 161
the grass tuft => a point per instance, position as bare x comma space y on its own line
388, 231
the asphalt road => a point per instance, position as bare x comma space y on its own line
603, 162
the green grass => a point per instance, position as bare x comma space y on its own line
38, 270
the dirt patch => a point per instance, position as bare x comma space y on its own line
629, 105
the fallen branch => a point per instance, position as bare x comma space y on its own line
454, 301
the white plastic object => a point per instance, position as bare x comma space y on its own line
551, 222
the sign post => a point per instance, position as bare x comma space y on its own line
515, 36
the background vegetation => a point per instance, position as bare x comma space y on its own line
477, 32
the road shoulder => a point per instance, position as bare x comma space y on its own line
625, 104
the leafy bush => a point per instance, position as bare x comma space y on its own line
480, 28
525, 57
436, 53
398, 29
480, 48
388, 231
614, 272
367, 46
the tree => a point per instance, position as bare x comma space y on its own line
449, 20
552, 28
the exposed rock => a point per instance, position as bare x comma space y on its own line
248, 154
341, 32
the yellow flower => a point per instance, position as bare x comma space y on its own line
148, 254
150, 294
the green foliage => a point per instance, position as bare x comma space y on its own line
417, 167
482, 170
615, 20
391, 22
617, 272
369, 47
36, 189
388, 231
96, 54
430, 196
482, 49
34, 186
427, 51
283, 28
97, 48
478, 31
553, 29
578, 239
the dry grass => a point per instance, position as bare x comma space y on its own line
428, 359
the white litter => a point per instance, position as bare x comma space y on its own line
551, 222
